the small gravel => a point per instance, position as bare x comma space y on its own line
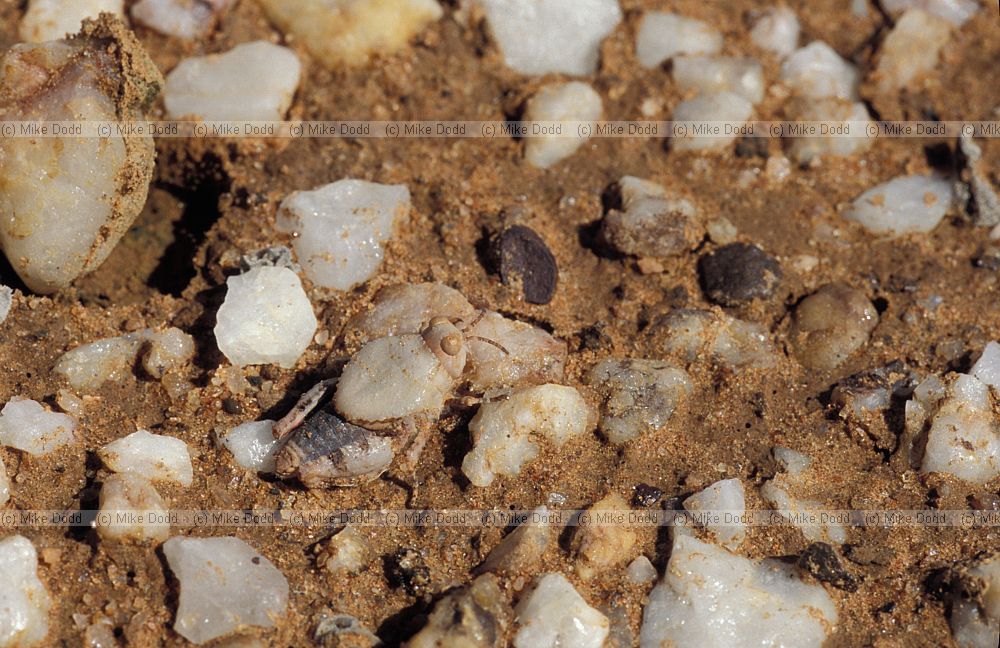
738, 273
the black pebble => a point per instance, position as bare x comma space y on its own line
820, 560
520, 256
737, 273
646, 495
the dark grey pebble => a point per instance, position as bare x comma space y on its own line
820, 560
737, 273
522, 258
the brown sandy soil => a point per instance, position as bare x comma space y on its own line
213, 200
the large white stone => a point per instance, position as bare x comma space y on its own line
817, 71
27, 426
224, 584
66, 201
725, 500
90, 365
49, 20
903, 205
545, 36
340, 229
638, 395
717, 106
349, 32
253, 445
253, 81
266, 318
803, 149
153, 456
506, 432
574, 102
707, 74
24, 602
554, 614
665, 35
710, 598
776, 30
911, 49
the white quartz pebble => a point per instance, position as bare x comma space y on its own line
347, 552
253, 445
710, 598
707, 74
665, 35
89, 366
49, 20
266, 318
27, 426
574, 102
340, 229
638, 395
554, 614
348, 32
24, 602
153, 456
225, 584
253, 81
180, 18
804, 148
713, 107
964, 435
640, 571
791, 461
776, 30
506, 432
987, 367
544, 36
911, 49
816, 71
957, 12
726, 501
693, 334
903, 205
131, 510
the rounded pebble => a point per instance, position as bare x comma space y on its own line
520, 256
738, 273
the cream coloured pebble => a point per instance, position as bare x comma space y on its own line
816, 71
553, 614
348, 32
777, 30
911, 49
715, 106
574, 101
131, 510
903, 205
266, 318
724, 505
28, 426
830, 325
253, 81
664, 35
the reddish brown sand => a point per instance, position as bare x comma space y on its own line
212, 201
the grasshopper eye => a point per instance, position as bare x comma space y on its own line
451, 344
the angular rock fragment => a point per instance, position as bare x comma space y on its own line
24, 602
573, 102
777, 30
639, 395
805, 149
738, 273
554, 614
903, 205
522, 258
665, 35
266, 318
821, 561
224, 584
507, 429
651, 223
778, 493
726, 501
131, 510
543, 36
153, 456
710, 598
911, 49
253, 445
253, 81
957, 12
347, 32
28, 426
708, 74
691, 334
340, 229
68, 200
346, 552
599, 545
477, 615
521, 550
716, 106
90, 365
816, 71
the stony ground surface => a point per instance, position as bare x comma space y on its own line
212, 201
